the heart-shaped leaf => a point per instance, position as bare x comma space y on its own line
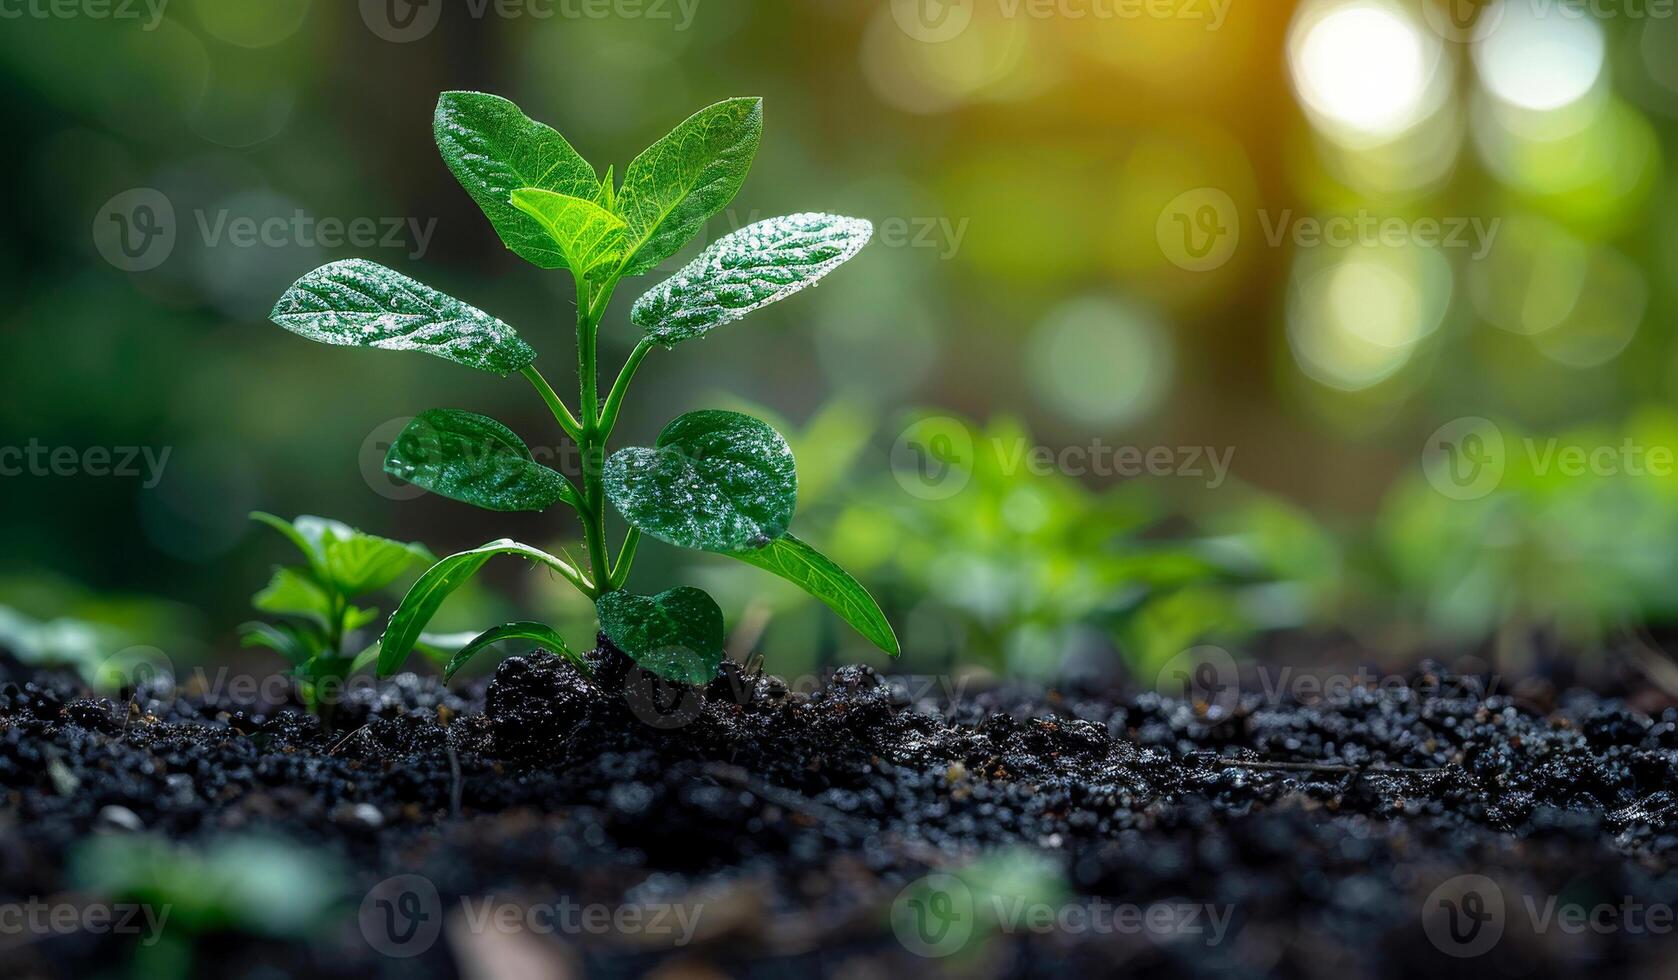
677, 635
678, 183
476, 460
753, 267
539, 632
815, 573
356, 303
494, 149
714, 481
585, 233
439, 582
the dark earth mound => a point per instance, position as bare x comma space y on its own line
757, 831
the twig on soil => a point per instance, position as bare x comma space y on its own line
345, 740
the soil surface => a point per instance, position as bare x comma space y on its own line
543, 824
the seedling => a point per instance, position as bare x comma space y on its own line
316, 601
713, 480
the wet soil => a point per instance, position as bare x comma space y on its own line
1067, 831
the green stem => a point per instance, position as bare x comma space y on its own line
626, 558
567, 421
592, 442
614, 398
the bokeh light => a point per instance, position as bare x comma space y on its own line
1365, 69
1539, 58
1100, 362
1357, 315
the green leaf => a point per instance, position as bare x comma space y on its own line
298, 644
815, 573
355, 617
539, 632
294, 592
678, 183
753, 267
438, 583
308, 539
714, 481
356, 303
677, 634
494, 149
476, 460
358, 563
586, 234
343, 558
608, 193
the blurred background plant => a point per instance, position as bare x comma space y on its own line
1305, 234
238, 884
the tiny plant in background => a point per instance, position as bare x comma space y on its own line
713, 480
316, 601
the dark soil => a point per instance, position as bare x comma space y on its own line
792, 822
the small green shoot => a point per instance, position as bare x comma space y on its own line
315, 602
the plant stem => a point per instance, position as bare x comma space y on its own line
592, 442
567, 421
614, 398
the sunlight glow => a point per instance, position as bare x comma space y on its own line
1364, 67
1540, 61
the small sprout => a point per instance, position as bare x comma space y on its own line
315, 601
714, 481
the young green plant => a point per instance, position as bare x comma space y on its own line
316, 602
713, 481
